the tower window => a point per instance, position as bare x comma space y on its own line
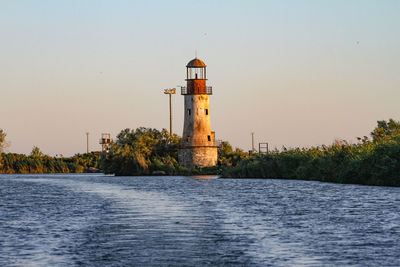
209, 138
189, 111
188, 139
206, 111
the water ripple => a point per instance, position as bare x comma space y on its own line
96, 220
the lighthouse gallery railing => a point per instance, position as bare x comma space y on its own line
207, 91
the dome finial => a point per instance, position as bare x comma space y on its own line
195, 53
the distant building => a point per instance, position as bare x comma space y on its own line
105, 142
198, 147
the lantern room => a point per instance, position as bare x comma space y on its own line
196, 70
196, 78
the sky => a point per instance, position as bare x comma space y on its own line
296, 73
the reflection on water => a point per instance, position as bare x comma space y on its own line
53, 220
205, 176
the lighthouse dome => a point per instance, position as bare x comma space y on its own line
196, 63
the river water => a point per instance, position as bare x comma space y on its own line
97, 220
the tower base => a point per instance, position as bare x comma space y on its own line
202, 156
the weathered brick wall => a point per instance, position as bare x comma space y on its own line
198, 156
197, 124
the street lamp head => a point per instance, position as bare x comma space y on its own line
170, 91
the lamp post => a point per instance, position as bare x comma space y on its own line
87, 142
170, 92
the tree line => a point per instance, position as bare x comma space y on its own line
373, 160
143, 151
37, 162
147, 151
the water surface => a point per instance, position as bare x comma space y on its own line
97, 220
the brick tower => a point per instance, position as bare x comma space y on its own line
198, 141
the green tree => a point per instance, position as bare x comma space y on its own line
142, 151
36, 153
3, 142
229, 157
3, 145
225, 149
386, 130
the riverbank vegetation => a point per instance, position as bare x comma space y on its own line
147, 151
143, 151
373, 160
37, 162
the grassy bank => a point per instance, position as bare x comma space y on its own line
374, 161
37, 162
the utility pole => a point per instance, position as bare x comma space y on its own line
170, 92
252, 142
87, 142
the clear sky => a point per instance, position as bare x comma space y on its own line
297, 73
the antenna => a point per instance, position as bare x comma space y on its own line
252, 142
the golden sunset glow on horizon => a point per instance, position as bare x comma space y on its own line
297, 73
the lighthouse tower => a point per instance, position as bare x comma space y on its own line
198, 141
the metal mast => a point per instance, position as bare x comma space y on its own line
170, 92
87, 142
252, 142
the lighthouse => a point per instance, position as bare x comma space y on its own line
198, 141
